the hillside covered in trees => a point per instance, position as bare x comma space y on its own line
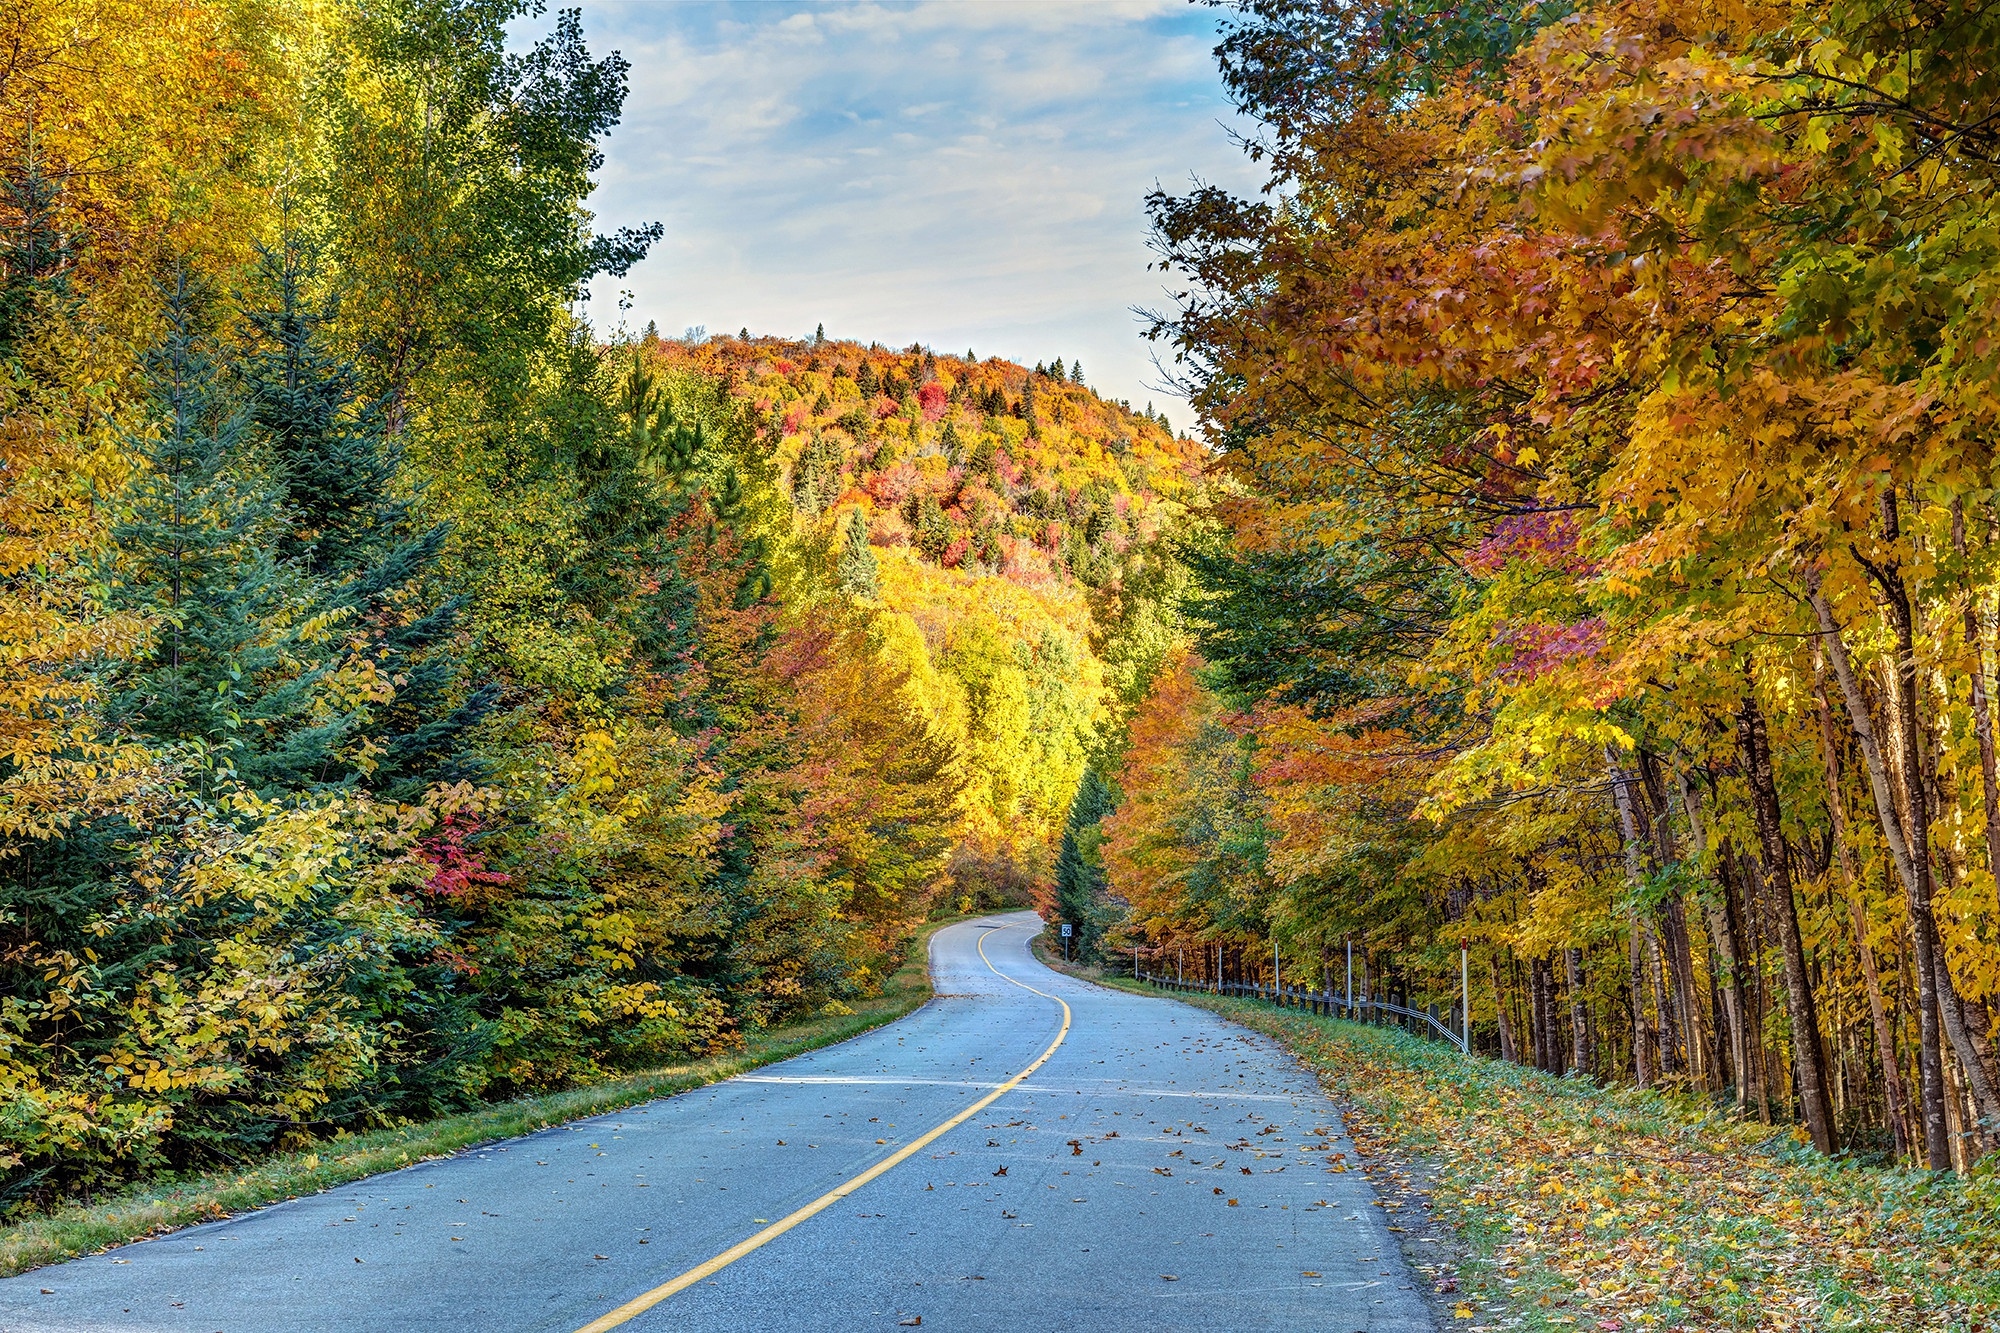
1611, 586
411, 696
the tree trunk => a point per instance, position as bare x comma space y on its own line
1918, 803
1912, 869
1635, 875
1722, 937
1579, 1014
1545, 1003
1739, 893
1896, 1098
1982, 711
1507, 1048
1808, 1055
1690, 1023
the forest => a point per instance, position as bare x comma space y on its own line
414, 697
1585, 564
1606, 574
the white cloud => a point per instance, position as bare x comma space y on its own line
953, 172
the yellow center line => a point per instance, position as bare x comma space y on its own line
638, 1305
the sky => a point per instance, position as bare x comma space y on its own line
964, 174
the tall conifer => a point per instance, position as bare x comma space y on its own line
351, 532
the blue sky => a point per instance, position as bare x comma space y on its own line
957, 173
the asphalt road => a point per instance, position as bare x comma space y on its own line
1163, 1170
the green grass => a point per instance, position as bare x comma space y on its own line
148, 1210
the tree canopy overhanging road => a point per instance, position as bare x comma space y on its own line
1161, 1170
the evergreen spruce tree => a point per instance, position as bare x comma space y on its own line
933, 528
196, 548
981, 462
1076, 372
1079, 876
857, 570
951, 445
350, 533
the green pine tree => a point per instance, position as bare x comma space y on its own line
196, 547
981, 462
857, 570
351, 546
933, 528
1079, 869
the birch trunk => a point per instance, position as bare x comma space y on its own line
1914, 872
1894, 1094
1635, 874
1723, 938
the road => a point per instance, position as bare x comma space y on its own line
1161, 1170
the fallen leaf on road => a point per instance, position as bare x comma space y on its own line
1168, 1277
600, 1256
912, 1322
1232, 1203
1001, 1172
1308, 1273
1461, 1311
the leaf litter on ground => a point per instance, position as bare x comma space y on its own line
1619, 1209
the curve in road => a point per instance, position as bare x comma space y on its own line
1026, 1152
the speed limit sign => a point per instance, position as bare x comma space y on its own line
1065, 929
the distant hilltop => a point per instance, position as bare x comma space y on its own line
984, 466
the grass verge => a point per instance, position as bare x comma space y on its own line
1612, 1208
142, 1211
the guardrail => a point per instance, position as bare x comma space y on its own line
1361, 1009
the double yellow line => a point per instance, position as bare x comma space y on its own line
638, 1305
